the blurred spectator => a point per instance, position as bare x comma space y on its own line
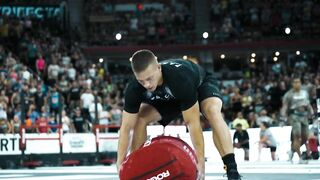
87, 99
40, 65
267, 140
240, 120
52, 124
15, 124
78, 121
67, 125
71, 72
74, 95
29, 125
116, 113
236, 100
43, 125
40, 99
5, 126
105, 118
246, 102
252, 119
33, 114
92, 109
313, 142
4, 99
53, 72
64, 88
264, 118
241, 140
258, 100
276, 92
54, 101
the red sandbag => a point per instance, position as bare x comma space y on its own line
164, 157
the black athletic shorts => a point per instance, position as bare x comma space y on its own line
272, 148
171, 111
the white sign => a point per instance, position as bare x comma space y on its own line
281, 135
79, 143
108, 142
42, 143
9, 144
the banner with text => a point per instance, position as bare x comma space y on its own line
9, 144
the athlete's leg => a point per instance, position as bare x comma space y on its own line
273, 153
211, 105
305, 135
261, 145
211, 108
304, 132
296, 136
146, 115
246, 154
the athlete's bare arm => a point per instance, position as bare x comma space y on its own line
310, 109
192, 118
284, 109
128, 122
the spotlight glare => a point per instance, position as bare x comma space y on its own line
101, 60
205, 35
252, 60
297, 53
287, 30
275, 59
118, 36
185, 57
222, 56
253, 55
277, 53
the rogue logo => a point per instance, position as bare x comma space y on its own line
160, 176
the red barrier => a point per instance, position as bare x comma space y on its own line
23, 140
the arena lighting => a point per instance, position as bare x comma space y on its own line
205, 35
252, 60
118, 36
101, 60
287, 30
185, 57
297, 53
277, 53
275, 59
253, 55
222, 56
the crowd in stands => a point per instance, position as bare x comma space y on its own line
164, 25
230, 21
46, 80
254, 20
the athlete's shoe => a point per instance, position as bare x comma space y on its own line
232, 172
290, 154
302, 161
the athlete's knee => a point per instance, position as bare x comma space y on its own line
142, 121
296, 137
212, 111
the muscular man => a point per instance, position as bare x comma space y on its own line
163, 91
297, 107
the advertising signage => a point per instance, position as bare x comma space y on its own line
35, 11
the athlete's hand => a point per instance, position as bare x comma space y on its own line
201, 171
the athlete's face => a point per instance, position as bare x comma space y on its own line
150, 78
296, 84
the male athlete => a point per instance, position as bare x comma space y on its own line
163, 91
297, 107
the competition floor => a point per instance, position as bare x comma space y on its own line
214, 171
